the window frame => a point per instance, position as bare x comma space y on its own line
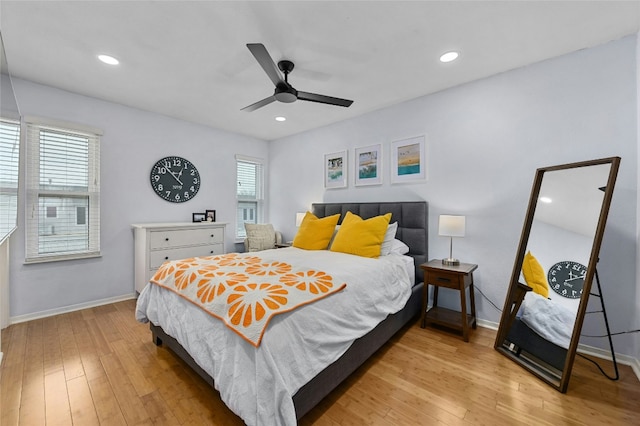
8, 190
35, 194
259, 198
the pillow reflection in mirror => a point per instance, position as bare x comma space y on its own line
534, 275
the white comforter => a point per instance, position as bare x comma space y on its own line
258, 383
550, 320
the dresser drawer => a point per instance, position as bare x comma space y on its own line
158, 257
185, 237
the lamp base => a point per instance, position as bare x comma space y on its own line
450, 262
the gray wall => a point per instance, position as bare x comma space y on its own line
484, 141
133, 141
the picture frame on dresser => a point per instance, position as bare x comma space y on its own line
198, 217
210, 215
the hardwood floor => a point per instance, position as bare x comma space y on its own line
99, 366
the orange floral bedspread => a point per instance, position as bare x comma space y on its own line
244, 291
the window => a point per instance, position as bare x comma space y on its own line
63, 192
9, 159
249, 192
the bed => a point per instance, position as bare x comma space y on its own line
330, 370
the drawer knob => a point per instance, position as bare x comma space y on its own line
211, 235
166, 239
211, 252
166, 258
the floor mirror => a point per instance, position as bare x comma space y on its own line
555, 266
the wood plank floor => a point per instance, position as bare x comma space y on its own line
99, 366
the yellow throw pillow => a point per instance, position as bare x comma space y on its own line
534, 275
314, 233
361, 237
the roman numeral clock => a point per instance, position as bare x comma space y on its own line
175, 179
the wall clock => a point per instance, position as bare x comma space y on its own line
567, 278
175, 179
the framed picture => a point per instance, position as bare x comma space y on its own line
198, 217
335, 170
408, 160
210, 215
368, 165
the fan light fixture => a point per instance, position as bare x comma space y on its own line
451, 226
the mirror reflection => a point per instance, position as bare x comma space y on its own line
554, 267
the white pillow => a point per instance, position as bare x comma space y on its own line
398, 247
260, 236
389, 236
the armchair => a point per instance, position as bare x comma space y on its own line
261, 236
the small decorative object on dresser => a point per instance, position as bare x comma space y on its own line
156, 243
210, 215
198, 217
457, 277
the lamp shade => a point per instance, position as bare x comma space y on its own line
299, 217
451, 225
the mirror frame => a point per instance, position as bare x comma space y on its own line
517, 290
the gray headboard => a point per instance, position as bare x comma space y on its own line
412, 218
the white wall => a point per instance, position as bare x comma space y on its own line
485, 139
133, 141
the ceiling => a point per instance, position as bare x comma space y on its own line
189, 60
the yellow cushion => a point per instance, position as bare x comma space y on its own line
534, 275
314, 233
361, 237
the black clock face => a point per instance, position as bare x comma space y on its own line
175, 179
567, 278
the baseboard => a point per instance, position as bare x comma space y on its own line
634, 363
70, 308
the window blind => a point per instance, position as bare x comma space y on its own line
9, 163
249, 192
62, 184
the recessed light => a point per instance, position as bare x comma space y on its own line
280, 118
108, 59
449, 56
545, 200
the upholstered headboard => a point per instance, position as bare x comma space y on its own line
412, 218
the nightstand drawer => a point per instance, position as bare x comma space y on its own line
444, 279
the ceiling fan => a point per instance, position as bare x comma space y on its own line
284, 92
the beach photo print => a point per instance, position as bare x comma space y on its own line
408, 160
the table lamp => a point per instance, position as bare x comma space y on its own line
299, 217
451, 226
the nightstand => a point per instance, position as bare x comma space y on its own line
459, 277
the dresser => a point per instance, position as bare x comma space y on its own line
156, 243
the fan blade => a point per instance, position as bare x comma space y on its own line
306, 96
265, 61
259, 104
